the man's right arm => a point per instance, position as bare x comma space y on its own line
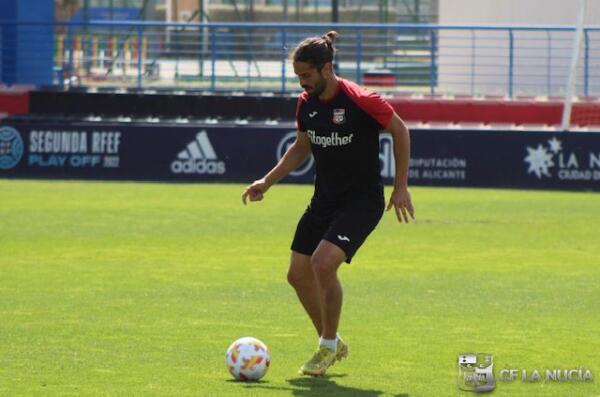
292, 159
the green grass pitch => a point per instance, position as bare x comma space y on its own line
132, 289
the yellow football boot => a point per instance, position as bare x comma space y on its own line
320, 361
342, 350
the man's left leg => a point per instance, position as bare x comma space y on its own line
325, 261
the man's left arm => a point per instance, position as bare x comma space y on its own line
400, 198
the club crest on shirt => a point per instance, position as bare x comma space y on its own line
339, 116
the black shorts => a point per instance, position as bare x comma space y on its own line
346, 225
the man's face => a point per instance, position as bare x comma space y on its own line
310, 78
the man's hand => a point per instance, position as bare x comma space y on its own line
255, 191
402, 203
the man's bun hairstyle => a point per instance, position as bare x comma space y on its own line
316, 51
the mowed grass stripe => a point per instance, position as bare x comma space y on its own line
121, 289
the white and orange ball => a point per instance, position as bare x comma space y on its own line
248, 359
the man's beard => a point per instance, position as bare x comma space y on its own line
318, 89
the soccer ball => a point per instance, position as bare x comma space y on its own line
248, 359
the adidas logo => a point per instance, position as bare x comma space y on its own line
198, 157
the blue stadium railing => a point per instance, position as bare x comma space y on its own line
426, 58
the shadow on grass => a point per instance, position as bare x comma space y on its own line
325, 386
321, 386
250, 384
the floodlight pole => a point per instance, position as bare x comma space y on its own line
335, 11
335, 18
568, 103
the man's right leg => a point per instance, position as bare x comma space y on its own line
302, 277
301, 274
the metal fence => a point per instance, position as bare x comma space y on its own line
432, 59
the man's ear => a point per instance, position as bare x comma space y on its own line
327, 70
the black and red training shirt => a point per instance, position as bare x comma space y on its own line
344, 136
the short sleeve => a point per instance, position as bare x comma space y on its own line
377, 107
301, 100
370, 102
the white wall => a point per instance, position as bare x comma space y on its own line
541, 59
519, 12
